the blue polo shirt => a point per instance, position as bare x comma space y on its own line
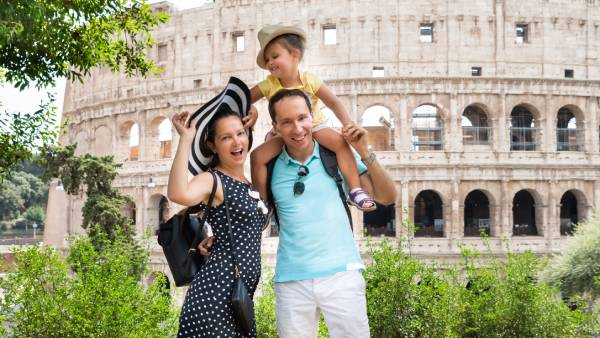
315, 239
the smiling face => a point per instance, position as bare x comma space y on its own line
230, 141
281, 61
293, 122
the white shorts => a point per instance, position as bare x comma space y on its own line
340, 297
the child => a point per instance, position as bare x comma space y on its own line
282, 48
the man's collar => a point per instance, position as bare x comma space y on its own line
287, 159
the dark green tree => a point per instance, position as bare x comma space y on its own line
92, 176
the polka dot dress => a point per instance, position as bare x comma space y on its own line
206, 310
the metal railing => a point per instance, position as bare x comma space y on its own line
523, 138
427, 139
569, 139
477, 135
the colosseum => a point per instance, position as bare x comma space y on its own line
484, 112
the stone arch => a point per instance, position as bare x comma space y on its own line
81, 138
524, 127
476, 126
103, 141
428, 214
381, 221
158, 211
573, 209
129, 210
379, 122
428, 128
477, 213
525, 213
160, 138
570, 134
129, 140
166, 283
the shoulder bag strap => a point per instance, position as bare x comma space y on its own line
198, 234
329, 160
235, 261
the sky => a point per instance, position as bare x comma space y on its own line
28, 100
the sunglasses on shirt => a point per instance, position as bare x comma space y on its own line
299, 185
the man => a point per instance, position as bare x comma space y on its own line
318, 263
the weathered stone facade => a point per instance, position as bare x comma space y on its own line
524, 74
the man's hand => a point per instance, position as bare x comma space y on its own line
357, 137
250, 120
205, 247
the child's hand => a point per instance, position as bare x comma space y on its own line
179, 124
357, 137
250, 120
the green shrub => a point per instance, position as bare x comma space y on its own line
36, 215
480, 297
89, 294
577, 267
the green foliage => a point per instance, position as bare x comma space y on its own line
43, 40
20, 192
577, 268
407, 298
36, 215
89, 294
21, 134
93, 176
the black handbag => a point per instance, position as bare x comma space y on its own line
179, 237
241, 303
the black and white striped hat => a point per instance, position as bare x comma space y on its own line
235, 97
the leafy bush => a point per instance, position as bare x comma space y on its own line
36, 215
89, 294
481, 297
577, 267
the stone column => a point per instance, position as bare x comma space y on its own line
550, 128
553, 220
505, 210
404, 130
403, 212
455, 142
592, 127
454, 230
503, 126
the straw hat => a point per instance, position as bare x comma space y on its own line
269, 33
236, 98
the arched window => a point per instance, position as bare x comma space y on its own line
475, 126
427, 128
568, 136
158, 211
477, 214
428, 215
524, 214
569, 215
165, 138
381, 221
134, 142
129, 211
523, 133
378, 122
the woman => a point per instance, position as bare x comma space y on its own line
206, 310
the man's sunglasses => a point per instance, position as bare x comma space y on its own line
299, 185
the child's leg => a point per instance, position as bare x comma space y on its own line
259, 158
335, 142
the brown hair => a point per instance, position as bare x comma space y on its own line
290, 41
210, 133
283, 93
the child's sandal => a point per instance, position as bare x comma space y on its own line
361, 199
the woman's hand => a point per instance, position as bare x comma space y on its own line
205, 247
179, 124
